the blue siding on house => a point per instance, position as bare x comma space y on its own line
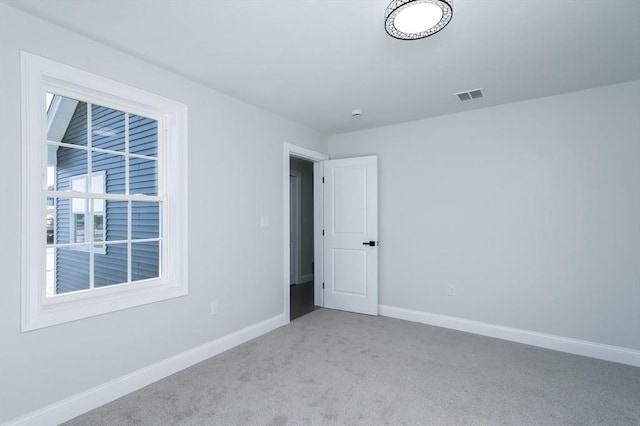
108, 128
108, 132
143, 135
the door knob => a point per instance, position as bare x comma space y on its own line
369, 243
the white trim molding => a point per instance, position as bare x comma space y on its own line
81, 403
548, 341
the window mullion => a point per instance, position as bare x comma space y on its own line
55, 232
89, 143
102, 150
127, 192
88, 224
162, 191
126, 153
99, 196
129, 245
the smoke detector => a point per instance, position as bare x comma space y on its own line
470, 94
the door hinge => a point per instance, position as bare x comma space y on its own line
322, 285
322, 179
323, 232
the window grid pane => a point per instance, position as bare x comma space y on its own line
113, 241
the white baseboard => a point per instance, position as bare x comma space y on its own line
548, 341
305, 278
71, 407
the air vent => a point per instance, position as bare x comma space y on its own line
471, 94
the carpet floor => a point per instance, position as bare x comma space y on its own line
338, 368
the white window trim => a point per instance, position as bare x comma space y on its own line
41, 76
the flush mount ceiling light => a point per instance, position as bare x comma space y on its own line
414, 19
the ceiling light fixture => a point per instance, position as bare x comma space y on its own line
415, 19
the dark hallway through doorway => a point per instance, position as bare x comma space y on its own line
301, 215
301, 300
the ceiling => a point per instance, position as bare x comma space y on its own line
315, 60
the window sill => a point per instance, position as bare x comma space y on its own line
78, 305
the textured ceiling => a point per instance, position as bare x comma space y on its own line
316, 60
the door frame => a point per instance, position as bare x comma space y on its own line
295, 201
296, 151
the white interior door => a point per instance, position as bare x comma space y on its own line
351, 234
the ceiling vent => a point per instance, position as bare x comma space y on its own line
471, 94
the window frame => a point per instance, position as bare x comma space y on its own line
40, 76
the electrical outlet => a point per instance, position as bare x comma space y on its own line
214, 308
452, 290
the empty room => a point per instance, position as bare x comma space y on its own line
319, 212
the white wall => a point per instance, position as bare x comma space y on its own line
47, 365
532, 210
306, 214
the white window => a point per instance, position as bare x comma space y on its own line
105, 195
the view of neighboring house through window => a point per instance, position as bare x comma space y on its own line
80, 210
105, 163
103, 208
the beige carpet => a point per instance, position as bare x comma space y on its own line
338, 368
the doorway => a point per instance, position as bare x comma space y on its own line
294, 152
350, 210
301, 242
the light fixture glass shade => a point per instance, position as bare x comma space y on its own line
414, 19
